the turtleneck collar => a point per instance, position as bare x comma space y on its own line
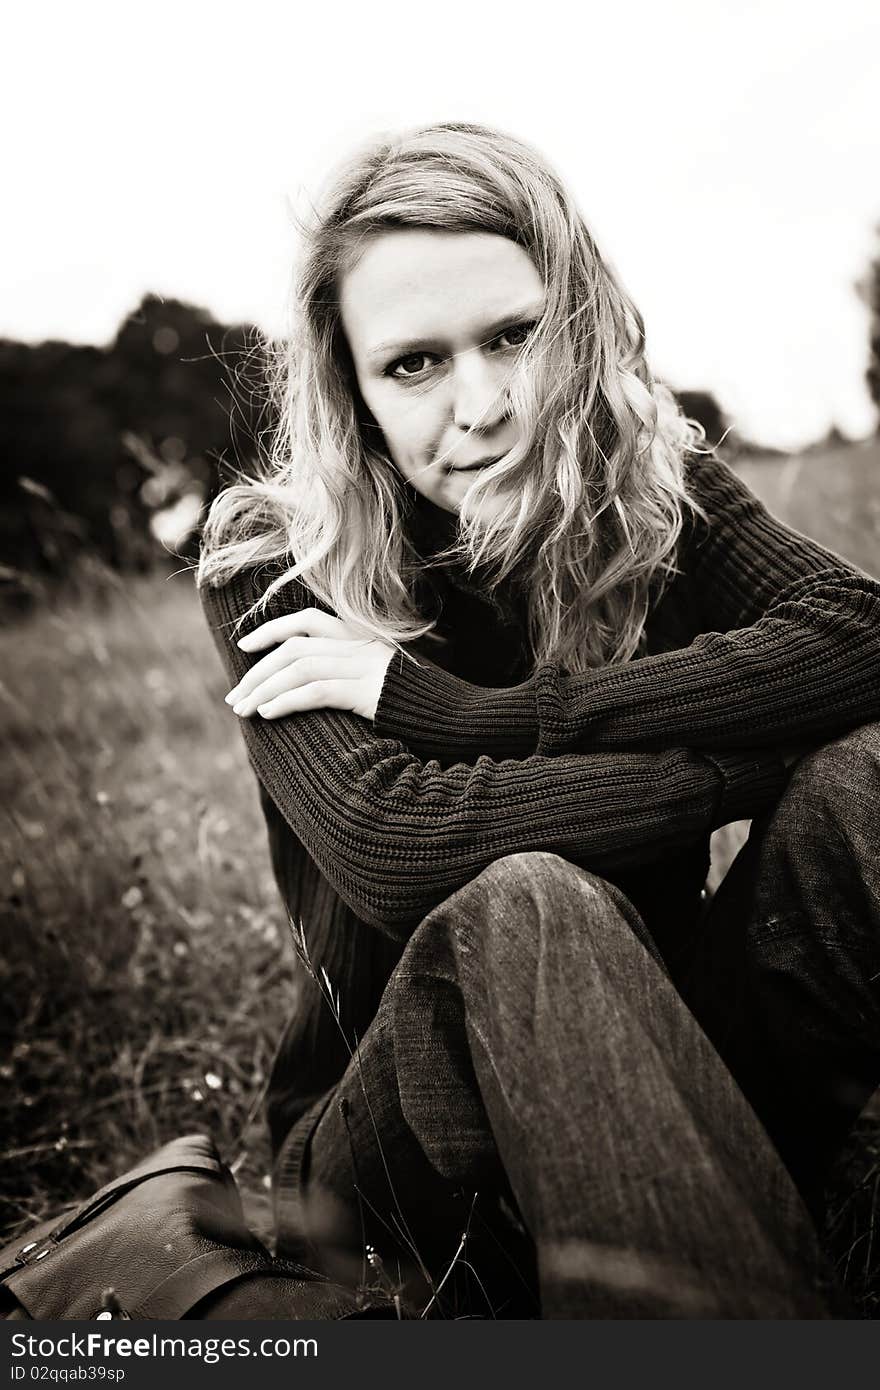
433, 530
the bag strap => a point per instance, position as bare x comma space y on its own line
195, 1153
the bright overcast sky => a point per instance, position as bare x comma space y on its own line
725, 152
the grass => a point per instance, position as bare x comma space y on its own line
144, 956
146, 970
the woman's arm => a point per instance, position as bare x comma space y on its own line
395, 836
790, 651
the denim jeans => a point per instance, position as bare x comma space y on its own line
785, 977
536, 1123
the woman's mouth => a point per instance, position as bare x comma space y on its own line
472, 467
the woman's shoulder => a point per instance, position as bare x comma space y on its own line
719, 499
712, 483
267, 585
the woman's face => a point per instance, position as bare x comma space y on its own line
434, 321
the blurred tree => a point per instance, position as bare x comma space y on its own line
176, 382
704, 408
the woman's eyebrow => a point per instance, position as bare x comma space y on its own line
400, 347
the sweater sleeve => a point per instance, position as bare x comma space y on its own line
789, 651
395, 835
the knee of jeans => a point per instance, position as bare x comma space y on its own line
526, 889
832, 797
837, 784
528, 870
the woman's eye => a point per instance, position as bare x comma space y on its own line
411, 365
515, 336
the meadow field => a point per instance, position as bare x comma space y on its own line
146, 967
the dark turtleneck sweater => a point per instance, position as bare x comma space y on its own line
762, 642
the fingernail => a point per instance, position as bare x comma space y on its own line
244, 641
230, 698
239, 708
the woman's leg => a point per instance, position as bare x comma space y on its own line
531, 1031
786, 980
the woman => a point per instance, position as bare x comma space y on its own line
515, 644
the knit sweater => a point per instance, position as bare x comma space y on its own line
763, 640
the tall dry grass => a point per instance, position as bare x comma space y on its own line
146, 974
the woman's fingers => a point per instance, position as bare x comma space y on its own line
314, 669
324, 694
318, 662
289, 651
308, 622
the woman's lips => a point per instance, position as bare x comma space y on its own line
472, 467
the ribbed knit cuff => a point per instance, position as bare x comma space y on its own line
438, 715
751, 784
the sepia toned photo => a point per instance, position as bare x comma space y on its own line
441, 665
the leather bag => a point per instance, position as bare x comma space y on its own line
166, 1240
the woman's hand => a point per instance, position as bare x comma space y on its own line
319, 662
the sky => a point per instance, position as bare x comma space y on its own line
726, 154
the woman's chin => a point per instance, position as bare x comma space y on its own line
484, 509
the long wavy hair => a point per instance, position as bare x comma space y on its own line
587, 508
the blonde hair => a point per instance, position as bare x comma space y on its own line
593, 498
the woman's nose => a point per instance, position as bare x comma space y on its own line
478, 393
